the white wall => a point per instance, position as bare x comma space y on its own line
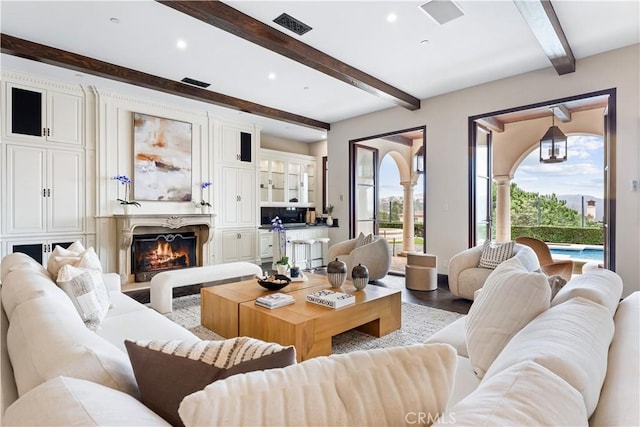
283, 144
446, 118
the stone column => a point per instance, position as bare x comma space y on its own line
502, 221
408, 232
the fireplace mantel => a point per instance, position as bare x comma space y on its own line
126, 227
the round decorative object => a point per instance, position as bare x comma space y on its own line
274, 283
360, 276
337, 273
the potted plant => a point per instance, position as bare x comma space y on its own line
329, 215
126, 203
282, 265
203, 204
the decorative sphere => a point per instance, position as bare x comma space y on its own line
337, 273
360, 276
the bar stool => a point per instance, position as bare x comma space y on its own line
307, 251
322, 241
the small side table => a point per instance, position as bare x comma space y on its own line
421, 272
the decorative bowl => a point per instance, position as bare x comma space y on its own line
274, 283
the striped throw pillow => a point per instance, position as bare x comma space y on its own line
167, 371
494, 253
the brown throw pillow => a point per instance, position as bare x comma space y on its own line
167, 371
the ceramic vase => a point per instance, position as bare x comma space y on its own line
126, 208
329, 221
281, 268
337, 273
360, 276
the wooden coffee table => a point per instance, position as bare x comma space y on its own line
219, 305
310, 327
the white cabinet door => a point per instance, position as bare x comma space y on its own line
45, 190
238, 197
247, 199
65, 191
266, 244
44, 115
237, 146
26, 189
238, 245
64, 112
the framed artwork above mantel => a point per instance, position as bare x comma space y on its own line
161, 159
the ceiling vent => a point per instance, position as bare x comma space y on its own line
195, 82
292, 24
442, 11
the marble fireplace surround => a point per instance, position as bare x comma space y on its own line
129, 225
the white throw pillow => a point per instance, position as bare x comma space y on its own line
88, 293
47, 339
89, 259
600, 286
375, 387
495, 253
525, 394
571, 340
76, 247
52, 263
511, 297
64, 401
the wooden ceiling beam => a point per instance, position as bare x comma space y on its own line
49, 55
400, 139
492, 123
545, 25
226, 18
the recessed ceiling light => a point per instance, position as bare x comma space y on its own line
306, 88
424, 42
272, 76
181, 44
392, 17
115, 20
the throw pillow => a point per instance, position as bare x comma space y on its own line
89, 259
88, 293
52, 264
363, 240
76, 247
167, 371
511, 297
64, 401
525, 394
494, 253
376, 387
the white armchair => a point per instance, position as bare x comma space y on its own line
375, 255
465, 277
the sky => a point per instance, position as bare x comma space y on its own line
580, 174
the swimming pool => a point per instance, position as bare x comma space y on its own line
585, 254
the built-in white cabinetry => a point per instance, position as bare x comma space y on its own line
237, 145
44, 189
266, 244
238, 245
287, 179
43, 115
238, 189
40, 249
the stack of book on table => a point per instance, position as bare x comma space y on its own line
331, 299
275, 300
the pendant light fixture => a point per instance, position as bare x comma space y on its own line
553, 145
419, 160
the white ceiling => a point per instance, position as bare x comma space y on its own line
491, 41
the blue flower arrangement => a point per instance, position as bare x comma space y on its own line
203, 186
277, 227
126, 181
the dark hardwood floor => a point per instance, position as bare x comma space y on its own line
440, 298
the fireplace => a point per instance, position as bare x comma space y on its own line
196, 229
153, 253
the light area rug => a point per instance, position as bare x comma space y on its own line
418, 323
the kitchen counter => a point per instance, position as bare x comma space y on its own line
296, 226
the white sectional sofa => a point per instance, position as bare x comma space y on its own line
575, 363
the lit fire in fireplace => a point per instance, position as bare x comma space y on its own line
164, 256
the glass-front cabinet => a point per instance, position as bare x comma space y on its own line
287, 179
272, 180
